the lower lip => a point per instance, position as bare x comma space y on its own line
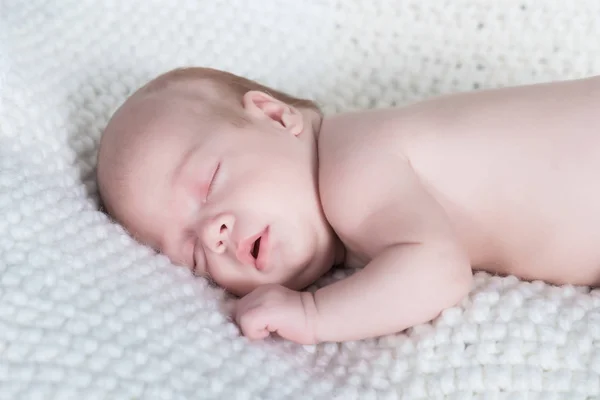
263, 254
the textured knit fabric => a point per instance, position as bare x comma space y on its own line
87, 313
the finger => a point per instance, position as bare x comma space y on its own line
255, 324
258, 335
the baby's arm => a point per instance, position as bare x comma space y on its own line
418, 268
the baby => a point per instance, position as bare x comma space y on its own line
260, 192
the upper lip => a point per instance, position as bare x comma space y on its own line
244, 250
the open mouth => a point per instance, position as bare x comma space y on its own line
255, 248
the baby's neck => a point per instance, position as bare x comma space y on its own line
315, 121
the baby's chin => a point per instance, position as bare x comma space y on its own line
307, 276
299, 279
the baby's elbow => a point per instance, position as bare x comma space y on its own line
450, 290
458, 285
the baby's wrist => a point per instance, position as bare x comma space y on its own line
311, 314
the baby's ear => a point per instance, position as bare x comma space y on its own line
263, 105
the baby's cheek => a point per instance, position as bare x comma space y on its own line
183, 206
188, 258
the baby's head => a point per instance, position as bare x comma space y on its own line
219, 174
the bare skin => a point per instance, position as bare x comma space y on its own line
501, 181
513, 170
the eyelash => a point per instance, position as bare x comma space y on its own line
210, 186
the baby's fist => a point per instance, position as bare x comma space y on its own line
276, 309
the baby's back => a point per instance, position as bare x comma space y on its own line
515, 169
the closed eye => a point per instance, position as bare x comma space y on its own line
212, 180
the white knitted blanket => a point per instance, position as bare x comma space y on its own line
86, 313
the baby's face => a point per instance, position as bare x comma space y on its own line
237, 204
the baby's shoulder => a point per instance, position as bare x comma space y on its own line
342, 177
371, 194
353, 181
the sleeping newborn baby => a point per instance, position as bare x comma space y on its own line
262, 193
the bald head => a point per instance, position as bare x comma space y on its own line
193, 165
137, 144
143, 121
137, 147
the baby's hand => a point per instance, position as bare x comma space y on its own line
275, 309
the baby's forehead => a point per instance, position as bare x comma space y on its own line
159, 124
157, 130
165, 145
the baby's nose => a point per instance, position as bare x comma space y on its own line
217, 233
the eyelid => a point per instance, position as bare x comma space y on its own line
212, 180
